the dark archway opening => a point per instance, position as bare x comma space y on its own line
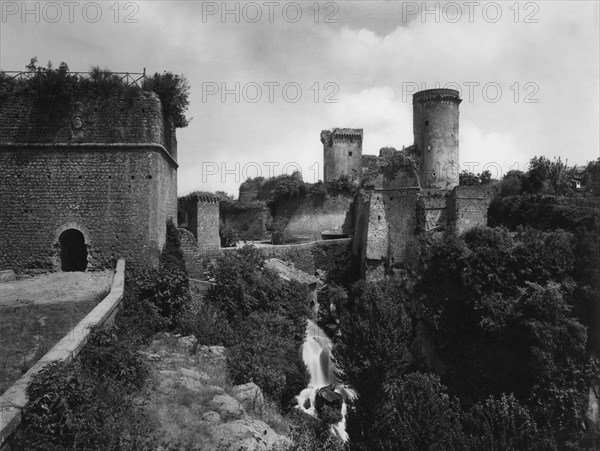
73, 253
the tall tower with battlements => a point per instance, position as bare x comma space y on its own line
435, 127
342, 152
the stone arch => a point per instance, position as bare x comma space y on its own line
73, 250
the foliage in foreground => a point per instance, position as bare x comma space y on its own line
496, 315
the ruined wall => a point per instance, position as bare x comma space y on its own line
435, 128
386, 230
194, 263
468, 206
100, 168
309, 216
401, 207
342, 152
433, 210
248, 219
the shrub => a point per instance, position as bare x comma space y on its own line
69, 408
418, 414
268, 357
167, 290
229, 236
109, 354
173, 91
504, 423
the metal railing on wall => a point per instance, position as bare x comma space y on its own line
127, 78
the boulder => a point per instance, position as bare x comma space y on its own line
188, 342
328, 404
211, 417
249, 396
228, 407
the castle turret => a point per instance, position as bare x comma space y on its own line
342, 152
435, 127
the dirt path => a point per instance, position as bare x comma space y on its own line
55, 288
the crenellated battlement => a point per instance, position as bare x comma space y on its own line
437, 95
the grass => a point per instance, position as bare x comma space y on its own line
28, 332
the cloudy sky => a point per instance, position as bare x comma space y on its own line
267, 77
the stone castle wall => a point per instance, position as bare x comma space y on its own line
249, 219
309, 216
468, 206
111, 178
433, 209
202, 220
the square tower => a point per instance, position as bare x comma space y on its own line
342, 153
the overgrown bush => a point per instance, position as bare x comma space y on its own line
61, 88
229, 236
110, 356
504, 423
71, 408
418, 414
268, 357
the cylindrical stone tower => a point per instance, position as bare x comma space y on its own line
435, 126
342, 153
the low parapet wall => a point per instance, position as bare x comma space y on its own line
15, 398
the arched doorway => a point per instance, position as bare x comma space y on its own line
73, 253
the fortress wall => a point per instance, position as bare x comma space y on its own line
193, 259
468, 206
361, 229
377, 237
202, 214
249, 221
434, 202
208, 226
100, 167
401, 208
137, 119
311, 215
119, 200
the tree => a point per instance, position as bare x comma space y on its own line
512, 183
418, 414
592, 177
173, 91
374, 349
545, 176
503, 424
467, 178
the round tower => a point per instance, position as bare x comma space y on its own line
435, 127
342, 153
